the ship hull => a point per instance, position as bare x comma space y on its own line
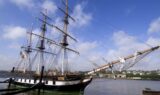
75, 85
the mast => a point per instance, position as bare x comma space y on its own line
41, 45
64, 42
28, 50
25, 54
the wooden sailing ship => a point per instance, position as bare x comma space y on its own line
63, 80
52, 79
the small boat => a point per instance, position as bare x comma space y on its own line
149, 91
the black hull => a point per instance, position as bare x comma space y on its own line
75, 87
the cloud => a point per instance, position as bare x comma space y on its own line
82, 18
121, 38
87, 52
23, 3
153, 41
154, 26
50, 6
127, 44
84, 47
35, 5
14, 45
13, 32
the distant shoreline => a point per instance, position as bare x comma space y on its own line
8, 74
126, 79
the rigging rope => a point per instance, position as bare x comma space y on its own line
135, 61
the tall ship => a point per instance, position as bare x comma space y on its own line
32, 69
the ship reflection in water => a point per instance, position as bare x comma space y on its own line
108, 87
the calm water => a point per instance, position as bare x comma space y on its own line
120, 87
110, 87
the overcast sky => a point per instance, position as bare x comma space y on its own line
104, 28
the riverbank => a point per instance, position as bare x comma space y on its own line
130, 78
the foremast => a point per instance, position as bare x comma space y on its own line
28, 50
40, 48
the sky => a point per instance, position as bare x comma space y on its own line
104, 29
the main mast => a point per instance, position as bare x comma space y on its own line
64, 42
41, 46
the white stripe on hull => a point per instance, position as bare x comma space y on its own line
53, 83
23, 80
59, 83
32, 81
27, 81
49, 82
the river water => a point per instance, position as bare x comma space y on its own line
109, 87
120, 87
